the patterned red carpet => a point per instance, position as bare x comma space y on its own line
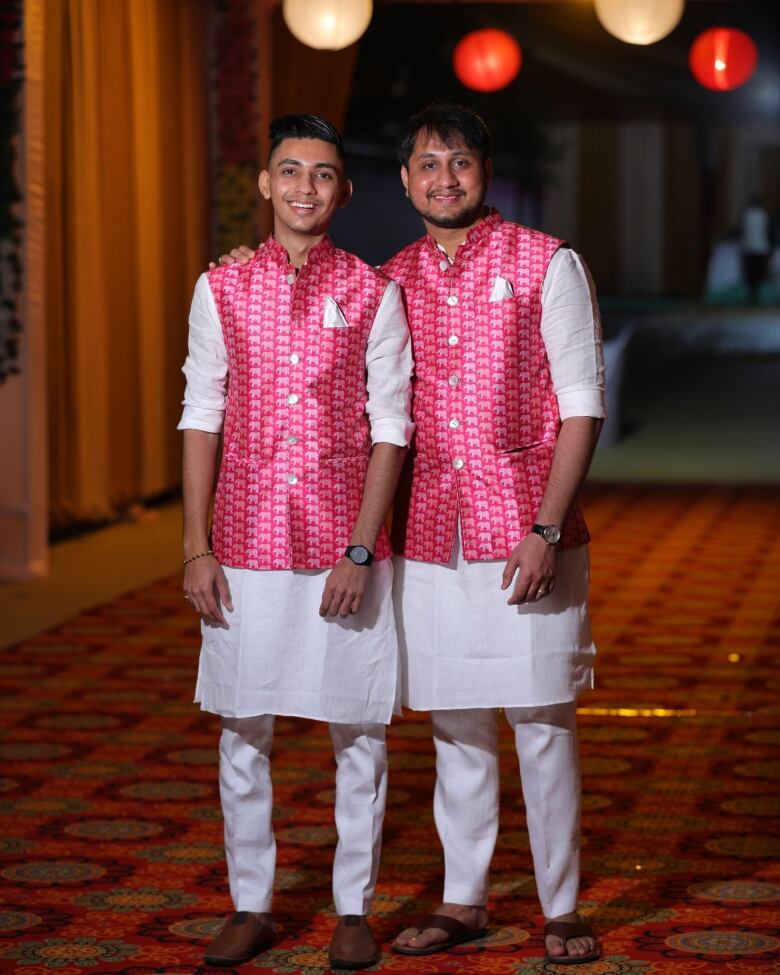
110, 839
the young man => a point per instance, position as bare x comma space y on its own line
508, 401
508, 404
298, 360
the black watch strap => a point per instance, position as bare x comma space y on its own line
359, 554
550, 533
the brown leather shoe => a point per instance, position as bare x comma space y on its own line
352, 945
243, 936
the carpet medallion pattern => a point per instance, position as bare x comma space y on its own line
111, 856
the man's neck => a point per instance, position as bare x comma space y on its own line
296, 245
450, 238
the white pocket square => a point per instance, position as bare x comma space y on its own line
501, 289
333, 317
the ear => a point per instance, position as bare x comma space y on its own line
405, 178
346, 193
264, 182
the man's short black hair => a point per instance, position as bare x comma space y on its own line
303, 127
449, 122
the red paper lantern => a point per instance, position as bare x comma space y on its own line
723, 58
487, 60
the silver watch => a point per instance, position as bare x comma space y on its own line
550, 533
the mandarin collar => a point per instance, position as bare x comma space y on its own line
475, 235
272, 250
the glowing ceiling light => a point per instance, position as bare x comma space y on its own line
639, 21
722, 58
487, 60
328, 25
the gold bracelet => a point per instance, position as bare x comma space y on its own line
200, 555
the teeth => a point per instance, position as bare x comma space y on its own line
303, 206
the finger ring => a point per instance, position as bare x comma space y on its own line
540, 592
187, 598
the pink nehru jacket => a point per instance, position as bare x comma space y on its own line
296, 434
485, 411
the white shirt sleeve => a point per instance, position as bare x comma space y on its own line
389, 369
571, 330
206, 365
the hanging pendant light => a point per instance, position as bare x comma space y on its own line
723, 58
487, 60
328, 25
639, 21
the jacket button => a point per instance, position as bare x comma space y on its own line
453, 380
454, 423
443, 265
458, 463
453, 340
292, 399
291, 279
292, 478
295, 358
292, 441
452, 300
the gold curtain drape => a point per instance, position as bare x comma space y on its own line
127, 207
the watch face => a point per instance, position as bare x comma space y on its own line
359, 554
551, 534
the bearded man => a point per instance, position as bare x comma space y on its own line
508, 404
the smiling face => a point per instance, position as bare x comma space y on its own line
305, 183
446, 184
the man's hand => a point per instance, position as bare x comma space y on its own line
344, 589
242, 255
206, 589
536, 562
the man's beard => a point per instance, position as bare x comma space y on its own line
458, 221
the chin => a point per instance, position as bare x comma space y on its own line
463, 218
455, 222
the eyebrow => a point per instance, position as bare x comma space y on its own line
465, 151
297, 162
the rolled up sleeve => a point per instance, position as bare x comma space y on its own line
571, 330
206, 365
389, 370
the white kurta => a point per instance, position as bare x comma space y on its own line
461, 645
278, 656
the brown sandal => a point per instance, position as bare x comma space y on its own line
565, 930
457, 931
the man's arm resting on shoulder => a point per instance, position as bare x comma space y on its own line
346, 583
533, 557
204, 581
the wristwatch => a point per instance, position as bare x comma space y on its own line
550, 533
359, 554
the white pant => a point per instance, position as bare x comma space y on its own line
247, 800
466, 799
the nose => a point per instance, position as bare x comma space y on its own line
305, 183
449, 177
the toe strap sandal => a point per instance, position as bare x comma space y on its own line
457, 933
566, 930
